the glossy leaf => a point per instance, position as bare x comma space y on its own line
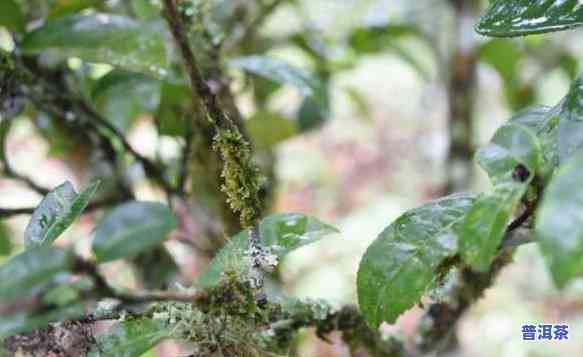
25, 321
26, 271
484, 226
122, 96
401, 263
282, 72
56, 212
102, 38
559, 222
507, 18
570, 127
279, 233
543, 122
132, 228
268, 129
131, 338
11, 15
513, 144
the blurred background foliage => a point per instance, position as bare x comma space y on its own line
358, 110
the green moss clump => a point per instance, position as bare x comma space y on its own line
241, 177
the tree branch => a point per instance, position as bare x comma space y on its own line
93, 206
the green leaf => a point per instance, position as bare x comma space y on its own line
174, 103
56, 212
377, 39
132, 228
401, 263
559, 222
310, 115
543, 122
570, 127
269, 129
60, 8
131, 338
503, 55
507, 18
484, 226
5, 240
103, 38
11, 16
513, 144
28, 270
122, 96
282, 72
25, 321
280, 233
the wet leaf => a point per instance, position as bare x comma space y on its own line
56, 212
542, 121
507, 18
513, 144
401, 263
559, 222
102, 38
26, 271
122, 96
132, 228
131, 338
279, 233
282, 72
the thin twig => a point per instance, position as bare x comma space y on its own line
107, 202
103, 289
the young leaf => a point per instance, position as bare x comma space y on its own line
570, 127
543, 122
131, 338
280, 233
121, 96
103, 38
132, 228
56, 212
513, 144
282, 72
507, 18
401, 263
559, 222
30, 269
